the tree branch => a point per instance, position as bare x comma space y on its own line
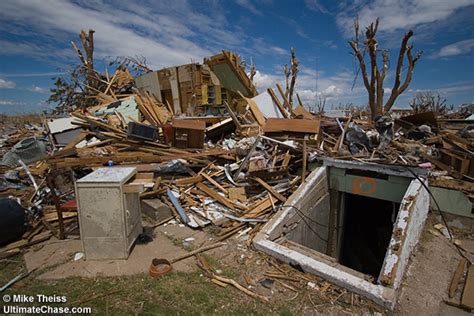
395, 90
381, 78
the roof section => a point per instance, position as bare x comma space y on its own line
227, 68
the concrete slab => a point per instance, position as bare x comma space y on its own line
167, 245
52, 253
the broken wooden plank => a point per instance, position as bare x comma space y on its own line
271, 190
467, 299
243, 163
340, 140
237, 194
189, 180
292, 126
259, 207
214, 195
51, 217
214, 183
278, 103
25, 243
241, 288
255, 110
233, 116
457, 277
197, 251
286, 159
286, 103
300, 111
452, 184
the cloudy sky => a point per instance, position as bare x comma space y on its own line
35, 41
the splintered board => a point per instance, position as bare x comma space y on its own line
468, 293
292, 125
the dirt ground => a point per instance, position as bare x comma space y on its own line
423, 291
432, 266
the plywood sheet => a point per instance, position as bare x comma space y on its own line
292, 125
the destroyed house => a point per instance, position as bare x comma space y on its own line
189, 89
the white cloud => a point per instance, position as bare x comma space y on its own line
43, 52
7, 84
330, 44
118, 31
37, 89
458, 48
398, 15
259, 46
279, 50
264, 81
38, 74
311, 85
249, 6
9, 102
453, 89
332, 91
316, 6
166, 32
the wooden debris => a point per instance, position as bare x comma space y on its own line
467, 299
457, 277
241, 288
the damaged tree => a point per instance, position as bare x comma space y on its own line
253, 69
294, 72
73, 89
375, 86
430, 101
286, 71
81, 86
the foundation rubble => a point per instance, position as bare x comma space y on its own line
208, 150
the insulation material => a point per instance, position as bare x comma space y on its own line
267, 106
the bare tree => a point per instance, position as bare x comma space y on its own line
286, 71
321, 104
375, 86
87, 41
294, 71
430, 101
253, 69
79, 86
137, 64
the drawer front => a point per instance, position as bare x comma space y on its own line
132, 211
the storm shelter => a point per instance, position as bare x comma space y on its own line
352, 223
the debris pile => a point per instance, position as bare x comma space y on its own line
207, 150
232, 172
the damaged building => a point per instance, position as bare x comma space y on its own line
192, 159
198, 88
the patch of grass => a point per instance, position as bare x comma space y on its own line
285, 311
176, 293
172, 294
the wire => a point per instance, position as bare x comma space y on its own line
303, 216
439, 211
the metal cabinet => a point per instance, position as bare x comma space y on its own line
109, 213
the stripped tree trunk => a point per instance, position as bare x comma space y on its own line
375, 86
294, 71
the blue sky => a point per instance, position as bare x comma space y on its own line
35, 41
